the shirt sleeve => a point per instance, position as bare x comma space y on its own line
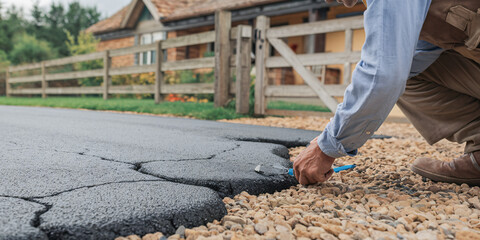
392, 30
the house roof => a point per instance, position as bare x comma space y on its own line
167, 7
207, 7
171, 10
110, 24
118, 20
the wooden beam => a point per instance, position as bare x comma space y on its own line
246, 32
207, 62
307, 75
223, 24
129, 12
74, 90
158, 72
131, 50
132, 89
262, 53
310, 39
7, 83
73, 75
24, 67
315, 59
26, 91
132, 70
325, 26
188, 88
243, 67
44, 81
193, 39
106, 74
347, 66
34, 78
74, 59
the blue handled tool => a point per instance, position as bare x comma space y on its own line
342, 168
275, 170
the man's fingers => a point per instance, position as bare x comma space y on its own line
317, 175
303, 180
297, 173
329, 174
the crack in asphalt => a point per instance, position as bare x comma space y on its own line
223, 192
88, 186
187, 159
287, 144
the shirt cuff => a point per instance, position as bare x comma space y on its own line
332, 147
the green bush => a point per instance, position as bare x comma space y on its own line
28, 49
3, 60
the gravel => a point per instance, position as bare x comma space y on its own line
380, 199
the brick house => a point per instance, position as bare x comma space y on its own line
146, 21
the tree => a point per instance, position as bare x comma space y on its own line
51, 25
11, 24
48, 25
79, 18
28, 49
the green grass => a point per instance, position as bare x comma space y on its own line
195, 110
296, 106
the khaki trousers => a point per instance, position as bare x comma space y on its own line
443, 102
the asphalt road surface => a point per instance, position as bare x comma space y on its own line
73, 174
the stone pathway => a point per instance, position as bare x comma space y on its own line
72, 174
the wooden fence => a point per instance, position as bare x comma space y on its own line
266, 37
226, 40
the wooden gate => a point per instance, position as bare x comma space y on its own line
266, 37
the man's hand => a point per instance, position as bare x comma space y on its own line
347, 3
312, 165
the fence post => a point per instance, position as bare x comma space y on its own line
158, 72
262, 52
243, 64
106, 74
7, 84
347, 67
44, 81
223, 24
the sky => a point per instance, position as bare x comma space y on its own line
106, 7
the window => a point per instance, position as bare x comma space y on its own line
147, 58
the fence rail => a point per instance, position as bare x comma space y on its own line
224, 34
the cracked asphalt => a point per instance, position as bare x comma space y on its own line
74, 174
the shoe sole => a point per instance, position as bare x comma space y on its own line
441, 178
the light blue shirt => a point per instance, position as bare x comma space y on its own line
392, 53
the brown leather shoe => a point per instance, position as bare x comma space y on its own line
465, 169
